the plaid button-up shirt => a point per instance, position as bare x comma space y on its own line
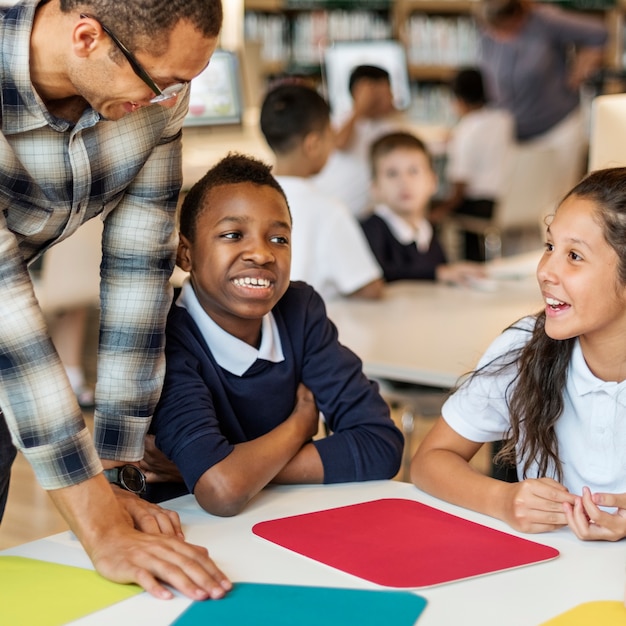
54, 176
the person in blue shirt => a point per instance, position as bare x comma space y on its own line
251, 359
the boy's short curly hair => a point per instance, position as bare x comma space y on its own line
233, 169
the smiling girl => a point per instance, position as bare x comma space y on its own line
553, 385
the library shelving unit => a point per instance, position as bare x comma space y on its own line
439, 36
293, 33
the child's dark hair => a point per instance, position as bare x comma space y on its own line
393, 141
468, 86
537, 401
368, 72
231, 170
289, 113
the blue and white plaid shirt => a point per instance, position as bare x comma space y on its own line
54, 176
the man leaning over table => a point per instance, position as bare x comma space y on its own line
93, 97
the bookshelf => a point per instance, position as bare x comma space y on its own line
292, 34
439, 37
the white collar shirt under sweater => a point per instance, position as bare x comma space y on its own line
230, 352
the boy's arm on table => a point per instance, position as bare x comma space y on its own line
460, 273
229, 485
441, 467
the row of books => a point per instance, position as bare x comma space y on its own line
431, 40
437, 40
431, 104
302, 39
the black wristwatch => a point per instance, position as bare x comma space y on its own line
129, 477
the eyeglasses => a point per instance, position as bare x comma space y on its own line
161, 95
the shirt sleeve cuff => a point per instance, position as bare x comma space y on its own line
66, 463
120, 438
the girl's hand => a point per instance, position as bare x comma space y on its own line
536, 505
590, 523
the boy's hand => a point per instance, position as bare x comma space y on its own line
536, 505
306, 410
590, 523
156, 466
461, 273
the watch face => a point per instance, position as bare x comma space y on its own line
132, 478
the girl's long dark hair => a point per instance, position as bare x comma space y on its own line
536, 401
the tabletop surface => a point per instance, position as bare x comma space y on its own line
584, 571
428, 333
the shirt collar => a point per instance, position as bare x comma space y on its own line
586, 382
232, 354
404, 232
22, 108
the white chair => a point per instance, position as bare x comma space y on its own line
608, 132
529, 197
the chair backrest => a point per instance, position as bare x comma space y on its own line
530, 194
608, 132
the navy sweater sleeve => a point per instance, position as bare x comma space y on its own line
400, 261
365, 444
186, 423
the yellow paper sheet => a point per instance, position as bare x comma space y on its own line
602, 613
49, 594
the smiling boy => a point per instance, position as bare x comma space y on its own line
252, 358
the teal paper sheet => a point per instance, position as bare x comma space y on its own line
286, 605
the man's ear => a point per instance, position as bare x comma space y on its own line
183, 254
86, 36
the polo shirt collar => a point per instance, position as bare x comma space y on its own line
404, 232
232, 354
586, 382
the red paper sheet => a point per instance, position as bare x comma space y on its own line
402, 543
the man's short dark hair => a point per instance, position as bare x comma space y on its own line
367, 72
468, 86
289, 113
136, 21
233, 169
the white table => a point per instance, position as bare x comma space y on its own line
584, 571
428, 333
